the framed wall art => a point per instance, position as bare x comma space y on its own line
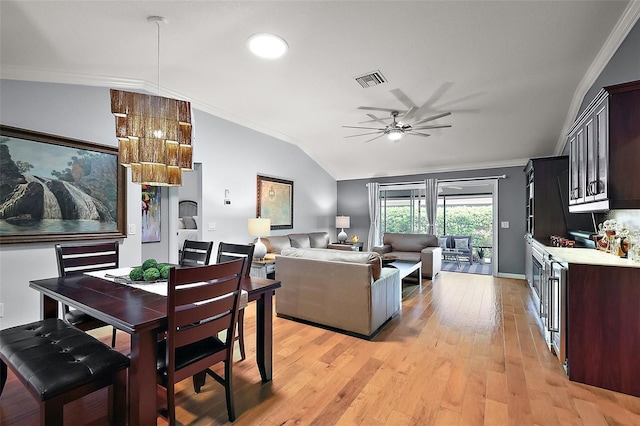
275, 201
150, 232
55, 189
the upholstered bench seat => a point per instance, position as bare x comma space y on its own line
57, 362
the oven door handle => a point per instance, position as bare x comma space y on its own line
550, 325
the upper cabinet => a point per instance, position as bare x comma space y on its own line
545, 210
604, 152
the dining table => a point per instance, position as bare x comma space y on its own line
143, 315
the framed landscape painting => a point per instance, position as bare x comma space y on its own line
275, 201
55, 189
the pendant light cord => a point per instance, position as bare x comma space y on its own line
158, 24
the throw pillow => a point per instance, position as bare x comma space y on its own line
442, 242
376, 265
462, 243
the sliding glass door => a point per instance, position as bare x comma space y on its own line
467, 215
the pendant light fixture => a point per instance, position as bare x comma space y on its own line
154, 133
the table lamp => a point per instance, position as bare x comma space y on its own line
259, 228
342, 222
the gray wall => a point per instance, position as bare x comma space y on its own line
352, 201
231, 156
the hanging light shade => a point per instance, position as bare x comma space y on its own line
154, 137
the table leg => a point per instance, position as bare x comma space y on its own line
48, 307
142, 379
264, 335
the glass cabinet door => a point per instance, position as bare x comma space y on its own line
602, 143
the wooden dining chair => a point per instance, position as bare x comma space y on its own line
196, 253
78, 259
226, 253
196, 314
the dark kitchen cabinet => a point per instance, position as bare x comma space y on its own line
544, 206
604, 147
604, 326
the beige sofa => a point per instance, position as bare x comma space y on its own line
415, 247
345, 290
275, 244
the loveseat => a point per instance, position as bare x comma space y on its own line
414, 247
462, 243
275, 244
345, 290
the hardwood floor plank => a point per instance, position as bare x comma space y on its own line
464, 350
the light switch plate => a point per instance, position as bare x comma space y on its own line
132, 229
504, 224
212, 226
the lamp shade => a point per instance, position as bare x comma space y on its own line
343, 221
259, 227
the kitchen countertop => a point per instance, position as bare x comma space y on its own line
589, 256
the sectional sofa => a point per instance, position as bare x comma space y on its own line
344, 290
414, 247
275, 244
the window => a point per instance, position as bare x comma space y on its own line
402, 210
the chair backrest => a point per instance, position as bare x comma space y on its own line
201, 302
229, 251
78, 259
196, 253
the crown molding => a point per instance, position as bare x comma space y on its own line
624, 25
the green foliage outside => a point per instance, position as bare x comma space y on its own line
476, 221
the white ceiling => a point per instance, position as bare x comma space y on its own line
512, 73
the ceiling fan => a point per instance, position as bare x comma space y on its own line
399, 125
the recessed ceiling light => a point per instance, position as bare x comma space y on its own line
268, 46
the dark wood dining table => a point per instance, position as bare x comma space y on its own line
142, 314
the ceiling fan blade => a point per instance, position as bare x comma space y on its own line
408, 115
402, 97
431, 127
362, 134
433, 117
424, 135
365, 108
374, 118
377, 137
360, 127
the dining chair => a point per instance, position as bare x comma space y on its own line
201, 303
78, 259
226, 253
196, 253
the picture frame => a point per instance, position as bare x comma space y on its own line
54, 188
275, 201
150, 231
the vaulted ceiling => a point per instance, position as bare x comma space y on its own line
512, 73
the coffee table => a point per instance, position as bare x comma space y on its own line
455, 253
407, 267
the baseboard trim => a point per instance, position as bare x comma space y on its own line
515, 276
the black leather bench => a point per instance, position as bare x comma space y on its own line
59, 363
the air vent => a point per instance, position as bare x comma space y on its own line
371, 79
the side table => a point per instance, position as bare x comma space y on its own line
359, 246
263, 269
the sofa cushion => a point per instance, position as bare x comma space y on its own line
410, 242
300, 240
373, 259
319, 239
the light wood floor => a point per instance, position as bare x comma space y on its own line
464, 351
